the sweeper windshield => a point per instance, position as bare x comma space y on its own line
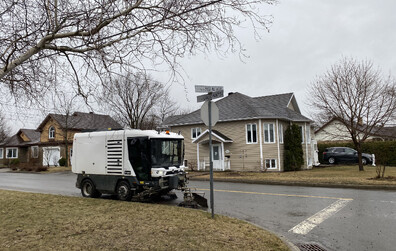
166, 152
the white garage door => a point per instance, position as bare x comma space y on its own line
51, 156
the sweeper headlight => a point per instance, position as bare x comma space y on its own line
158, 172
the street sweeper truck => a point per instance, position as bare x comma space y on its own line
131, 164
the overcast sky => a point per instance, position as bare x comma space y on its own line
306, 38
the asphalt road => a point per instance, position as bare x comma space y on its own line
333, 218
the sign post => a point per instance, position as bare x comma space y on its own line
210, 118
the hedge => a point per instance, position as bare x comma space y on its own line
385, 151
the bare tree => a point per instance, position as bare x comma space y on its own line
4, 129
166, 107
132, 99
66, 104
86, 39
358, 96
48, 156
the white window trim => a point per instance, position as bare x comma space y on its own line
196, 134
32, 152
16, 152
71, 155
1, 153
280, 132
49, 132
278, 143
273, 127
261, 146
276, 164
247, 135
302, 131
308, 132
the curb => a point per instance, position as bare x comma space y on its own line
283, 183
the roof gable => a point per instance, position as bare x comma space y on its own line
32, 135
216, 134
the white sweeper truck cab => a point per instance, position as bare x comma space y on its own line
131, 164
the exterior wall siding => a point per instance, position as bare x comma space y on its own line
242, 156
45, 132
24, 137
59, 132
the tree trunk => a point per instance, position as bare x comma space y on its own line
359, 150
66, 149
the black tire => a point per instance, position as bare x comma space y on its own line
88, 189
364, 161
332, 160
123, 191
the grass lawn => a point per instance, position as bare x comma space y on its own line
56, 169
333, 175
51, 222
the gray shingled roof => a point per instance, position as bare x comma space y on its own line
83, 121
15, 140
238, 106
389, 132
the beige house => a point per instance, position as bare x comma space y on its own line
335, 131
248, 135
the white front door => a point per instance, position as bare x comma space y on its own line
51, 156
217, 154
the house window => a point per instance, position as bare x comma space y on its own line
280, 128
51, 133
251, 133
302, 134
1, 153
270, 163
195, 132
269, 133
35, 152
12, 153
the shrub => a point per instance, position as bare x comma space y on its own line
192, 165
40, 168
294, 157
62, 162
14, 162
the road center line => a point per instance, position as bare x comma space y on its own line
278, 194
307, 225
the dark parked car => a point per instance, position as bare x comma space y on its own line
346, 155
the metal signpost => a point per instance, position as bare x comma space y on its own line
210, 115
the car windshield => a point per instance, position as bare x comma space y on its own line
166, 152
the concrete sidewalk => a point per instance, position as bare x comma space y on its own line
5, 170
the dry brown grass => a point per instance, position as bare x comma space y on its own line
334, 175
51, 222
